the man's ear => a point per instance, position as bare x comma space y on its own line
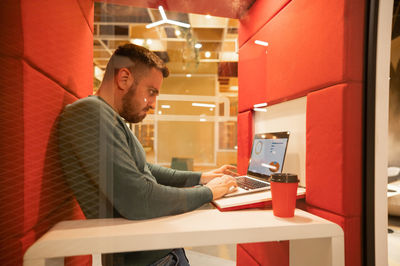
124, 79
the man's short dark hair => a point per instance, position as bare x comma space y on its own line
139, 57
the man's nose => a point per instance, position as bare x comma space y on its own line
152, 103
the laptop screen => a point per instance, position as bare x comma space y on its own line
268, 153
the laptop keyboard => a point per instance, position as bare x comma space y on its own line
247, 183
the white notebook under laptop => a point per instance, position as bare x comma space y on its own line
267, 157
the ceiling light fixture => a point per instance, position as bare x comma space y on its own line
98, 73
204, 105
198, 45
137, 41
165, 20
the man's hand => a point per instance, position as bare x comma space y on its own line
223, 170
220, 186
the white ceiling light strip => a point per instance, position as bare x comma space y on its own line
162, 12
203, 105
165, 20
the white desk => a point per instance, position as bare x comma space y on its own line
314, 241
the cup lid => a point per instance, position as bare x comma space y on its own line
284, 178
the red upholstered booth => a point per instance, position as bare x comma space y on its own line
46, 59
315, 50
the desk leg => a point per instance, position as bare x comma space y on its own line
96, 260
316, 252
45, 262
338, 250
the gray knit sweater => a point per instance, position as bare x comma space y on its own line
106, 168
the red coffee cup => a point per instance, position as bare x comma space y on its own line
284, 192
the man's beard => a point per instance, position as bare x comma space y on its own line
129, 108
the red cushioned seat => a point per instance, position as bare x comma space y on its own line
334, 149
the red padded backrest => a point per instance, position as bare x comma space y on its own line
45, 63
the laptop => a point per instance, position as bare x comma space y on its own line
267, 157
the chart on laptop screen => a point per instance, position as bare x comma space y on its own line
268, 155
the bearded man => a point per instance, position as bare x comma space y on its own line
105, 165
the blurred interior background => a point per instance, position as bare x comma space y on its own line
194, 123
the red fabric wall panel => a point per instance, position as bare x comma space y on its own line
58, 42
352, 233
252, 76
46, 53
87, 8
36, 197
11, 154
244, 139
243, 258
257, 16
334, 149
266, 253
11, 41
45, 193
311, 45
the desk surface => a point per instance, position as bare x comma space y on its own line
197, 228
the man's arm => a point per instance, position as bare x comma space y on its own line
92, 136
174, 178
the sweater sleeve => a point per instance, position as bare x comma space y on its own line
98, 145
174, 178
